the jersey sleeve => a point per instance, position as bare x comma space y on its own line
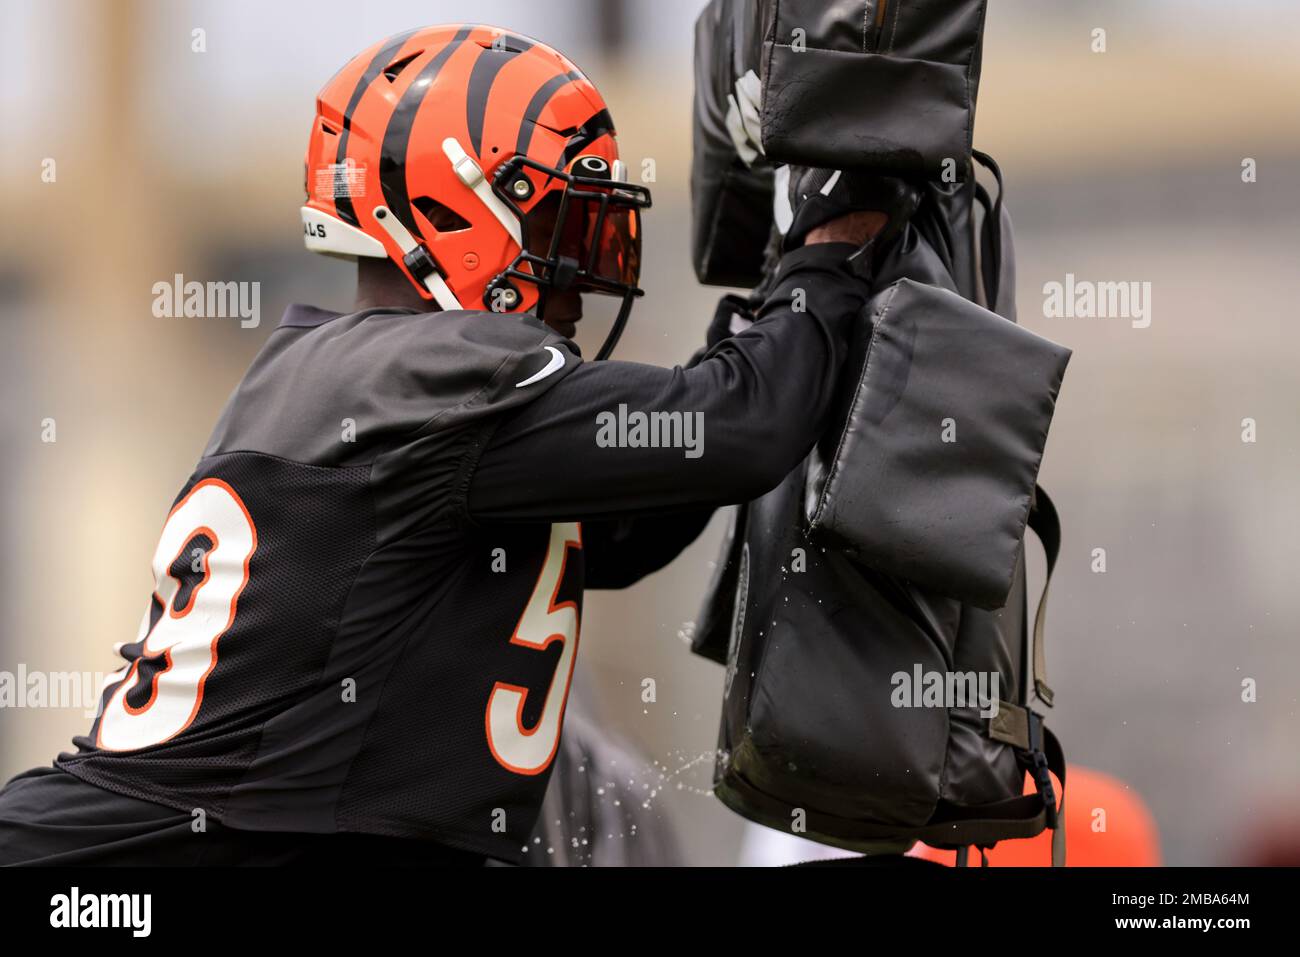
620, 552
619, 439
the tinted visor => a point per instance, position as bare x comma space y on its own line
598, 230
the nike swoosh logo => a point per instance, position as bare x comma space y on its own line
557, 362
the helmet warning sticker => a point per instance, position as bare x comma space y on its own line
338, 180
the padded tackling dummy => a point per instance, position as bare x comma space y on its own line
731, 195
888, 85
930, 477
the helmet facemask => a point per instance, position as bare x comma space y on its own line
585, 237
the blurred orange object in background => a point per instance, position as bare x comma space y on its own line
1107, 824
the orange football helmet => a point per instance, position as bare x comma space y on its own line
482, 163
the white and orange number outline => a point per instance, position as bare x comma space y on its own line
186, 637
531, 750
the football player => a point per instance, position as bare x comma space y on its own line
367, 595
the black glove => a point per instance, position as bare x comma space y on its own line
819, 195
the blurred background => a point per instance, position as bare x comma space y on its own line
1119, 166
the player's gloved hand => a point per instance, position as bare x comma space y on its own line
820, 196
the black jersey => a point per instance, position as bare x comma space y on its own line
368, 594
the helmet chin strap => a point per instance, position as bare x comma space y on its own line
413, 253
616, 330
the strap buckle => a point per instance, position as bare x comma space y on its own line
1035, 760
420, 263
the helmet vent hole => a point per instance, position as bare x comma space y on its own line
326, 128
397, 66
440, 217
